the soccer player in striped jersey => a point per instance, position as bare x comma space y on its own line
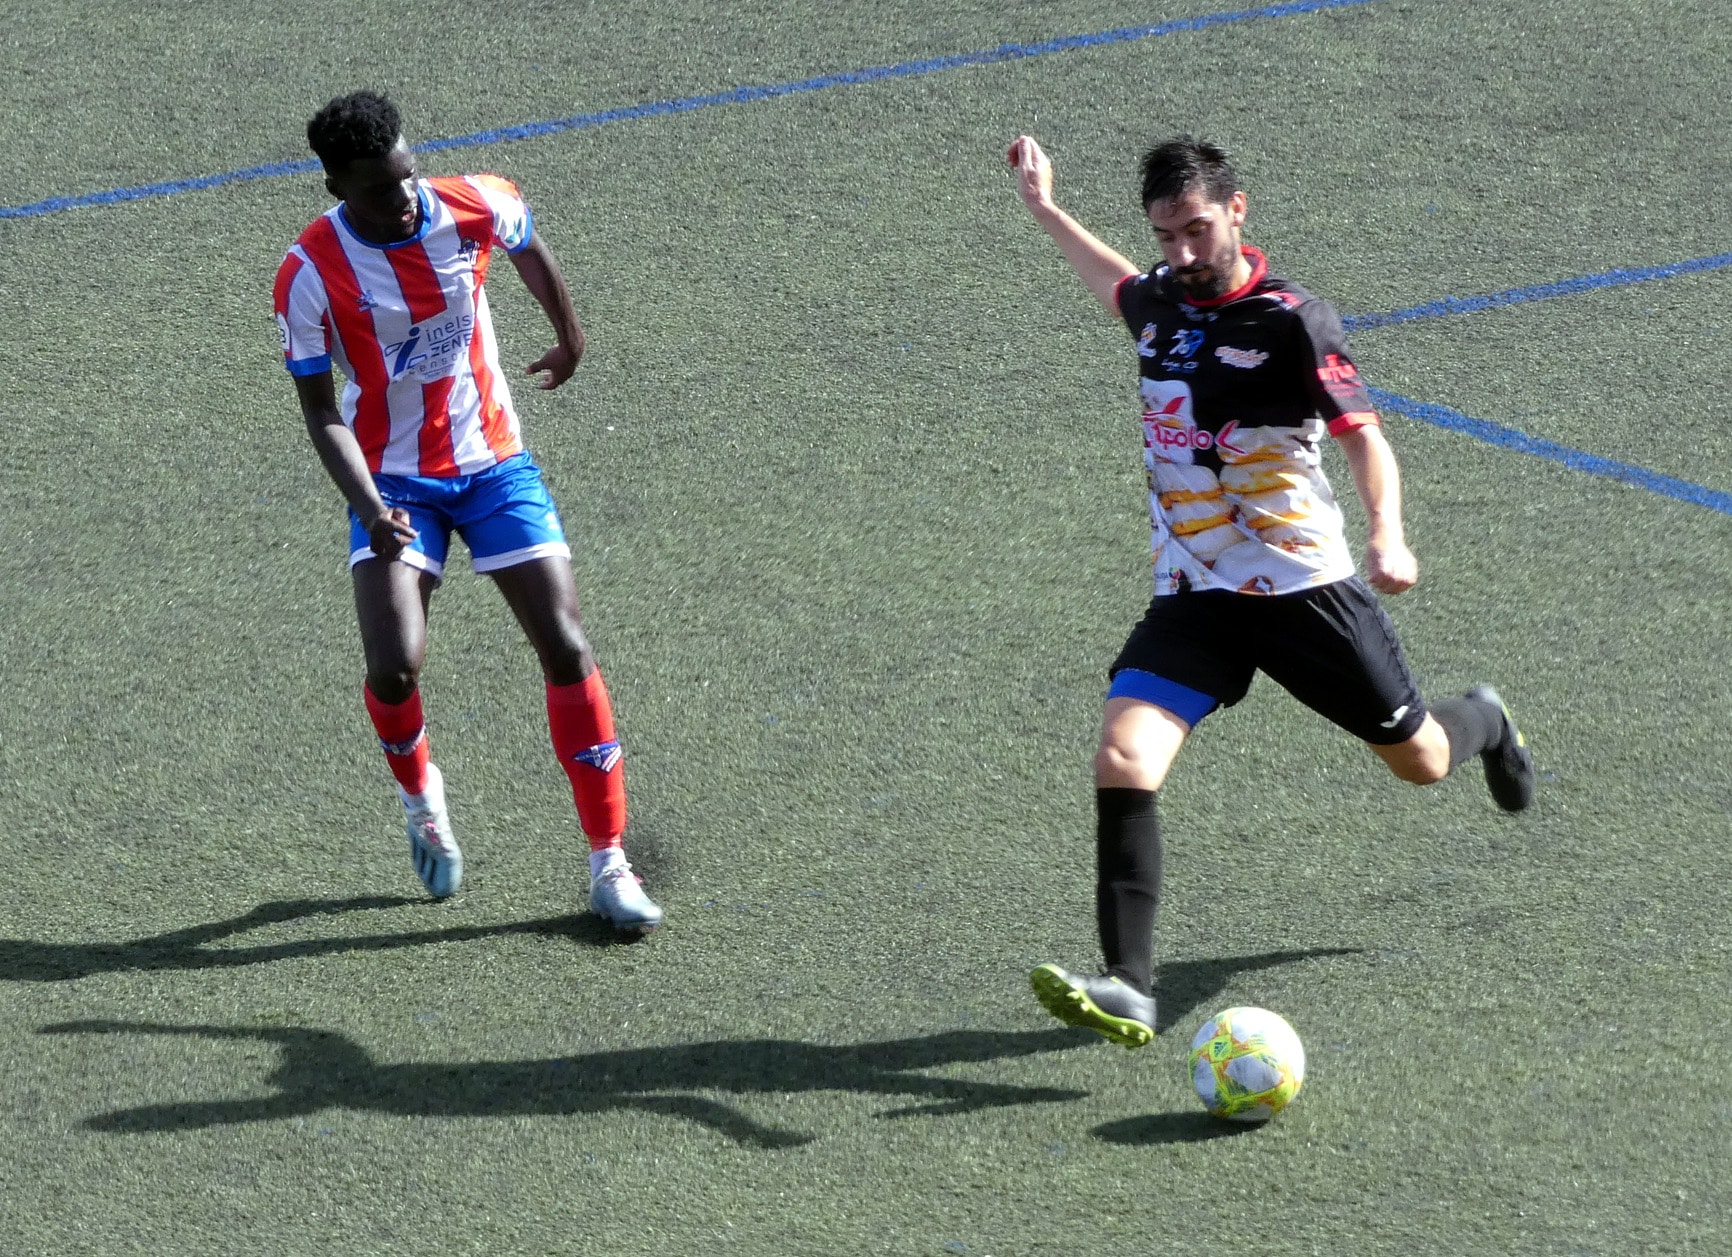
387, 285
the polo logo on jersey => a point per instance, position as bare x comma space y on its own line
1246, 358
1186, 341
1170, 429
605, 756
1146, 342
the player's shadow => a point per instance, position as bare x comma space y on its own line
1186, 985
23, 960
320, 1069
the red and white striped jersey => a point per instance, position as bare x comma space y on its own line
408, 325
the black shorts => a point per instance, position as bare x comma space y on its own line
1332, 648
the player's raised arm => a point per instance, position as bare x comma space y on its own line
1102, 269
540, 272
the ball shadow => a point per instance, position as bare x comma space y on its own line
1170, 1128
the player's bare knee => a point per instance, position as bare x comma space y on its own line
568, 659
1119, 760
391, 685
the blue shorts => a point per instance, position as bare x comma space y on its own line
504, 514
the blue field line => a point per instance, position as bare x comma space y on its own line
1576, 460
1615, 278
685, 104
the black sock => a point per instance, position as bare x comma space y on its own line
1127, 882
1473, 726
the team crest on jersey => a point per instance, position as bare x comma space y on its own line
604, 755
367, 301
1186, 341
1246, 358
468, 250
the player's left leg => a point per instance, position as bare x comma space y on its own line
515, 536
1337, 652
543, 597
1457, 729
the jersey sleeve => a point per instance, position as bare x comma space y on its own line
1336, 389
513, 226
301, 310
1130, 295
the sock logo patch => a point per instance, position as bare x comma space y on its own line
604, 755
404, 748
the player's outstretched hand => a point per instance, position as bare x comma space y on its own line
555, 366
390, 533
1390, 567
1033, 171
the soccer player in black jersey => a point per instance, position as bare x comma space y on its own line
1242, 373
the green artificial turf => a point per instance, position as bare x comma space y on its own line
852, 472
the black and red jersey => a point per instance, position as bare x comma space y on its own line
1236, 394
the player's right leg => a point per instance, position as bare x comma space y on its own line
1139, 741
1155, 699
391, 601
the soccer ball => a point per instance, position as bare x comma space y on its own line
1246, 1064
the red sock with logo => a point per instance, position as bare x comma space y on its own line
403, 735
580, 718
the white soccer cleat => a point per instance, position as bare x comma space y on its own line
432, 846
616, 896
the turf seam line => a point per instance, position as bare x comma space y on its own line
1577, 460
686, 104
1615, 278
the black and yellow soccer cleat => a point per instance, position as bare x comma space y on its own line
1509, 766
1106, 1005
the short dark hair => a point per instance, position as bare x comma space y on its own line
1175, 167
354, 127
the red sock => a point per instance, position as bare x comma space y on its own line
403, 735
581, 721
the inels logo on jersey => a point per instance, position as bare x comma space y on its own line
1246, 358
431, 348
